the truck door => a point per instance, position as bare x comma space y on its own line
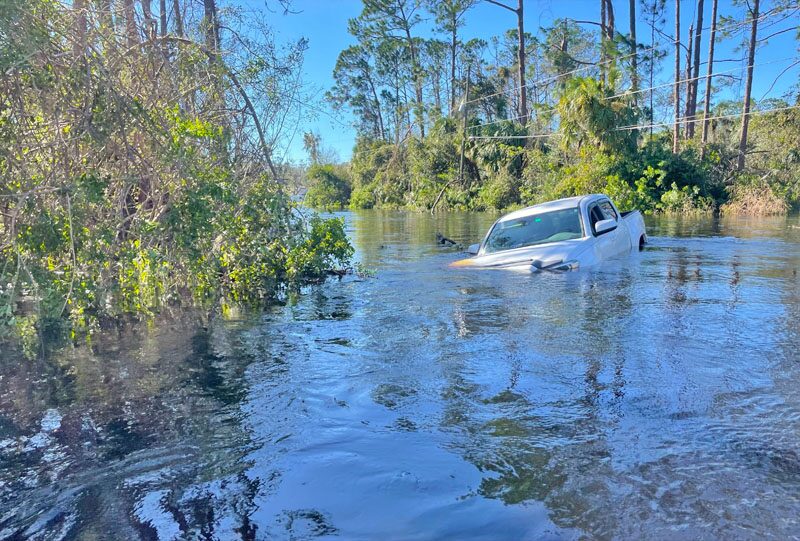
613, 242
622, 239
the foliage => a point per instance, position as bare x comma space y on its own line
591, 113
325, 247
328, 187
409, 95
754, 196
501, 192
135, 172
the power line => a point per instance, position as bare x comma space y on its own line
623, 57
664, 85
645, 126
685, 120
537, 136
691, 79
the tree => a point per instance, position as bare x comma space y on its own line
210, 25
748, 86
607, 30
707, 100
355, 86
118, 196
394, 20
449, 18
653, 11
634, 47
434, 58
691, 98
591, 114
566, 48
676, 129
328, 188
129, 13
176, 11
79, 47
523, 90
311, 144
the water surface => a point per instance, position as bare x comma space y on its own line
655, 397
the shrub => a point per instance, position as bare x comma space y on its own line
500, 192
328, 187
686, 200
755, 197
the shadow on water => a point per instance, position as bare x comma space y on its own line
653, 397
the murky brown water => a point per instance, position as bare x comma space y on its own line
657, 397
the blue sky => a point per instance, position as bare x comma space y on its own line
324, 24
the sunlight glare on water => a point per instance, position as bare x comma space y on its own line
654, 397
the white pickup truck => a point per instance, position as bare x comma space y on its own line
559, 235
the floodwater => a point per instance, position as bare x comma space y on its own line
656, 397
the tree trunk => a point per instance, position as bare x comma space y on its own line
654, 6
603, 41
162, 13
522, 105
523, 91
381, 129
176, 8
676, 127
79, 45
707, 101
634, 60
130, 22
149, 22
416, 72
687, 78
211, 26
695, 82
453, 46
751, 57
610, 24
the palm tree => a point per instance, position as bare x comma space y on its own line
590, 114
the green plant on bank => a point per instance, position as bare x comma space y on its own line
587, 110
133, 177
506, 173
328, 187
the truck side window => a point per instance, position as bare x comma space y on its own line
595, 215
608, 210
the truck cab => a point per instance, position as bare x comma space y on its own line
559, 235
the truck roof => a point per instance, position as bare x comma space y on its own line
558, 204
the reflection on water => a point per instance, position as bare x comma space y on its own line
654, 397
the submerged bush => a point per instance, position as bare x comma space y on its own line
755, 197
219, 236
139, 177
686, 200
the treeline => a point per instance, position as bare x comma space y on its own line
136, 158
579, 106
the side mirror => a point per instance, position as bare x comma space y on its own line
473, 249
605, 226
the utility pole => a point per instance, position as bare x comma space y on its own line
464, 129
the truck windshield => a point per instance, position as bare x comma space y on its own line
537, 229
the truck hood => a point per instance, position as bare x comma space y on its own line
522, 258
